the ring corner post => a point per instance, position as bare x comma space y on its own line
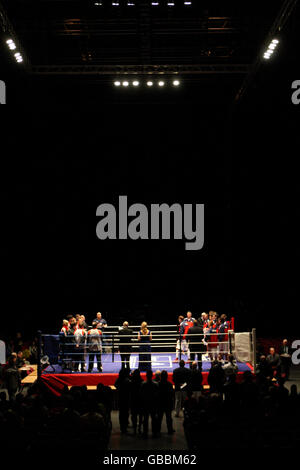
254, 349
39, 351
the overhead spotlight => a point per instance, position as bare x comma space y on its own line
176, 82
149, 83
115, 4
161, 83
187, 3
171, 4
11, 44
117, 83
135, 83
130, 4
155, 4
271, 48
18, 57
125, 83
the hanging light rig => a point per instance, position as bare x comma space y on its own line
271, 49
136, 83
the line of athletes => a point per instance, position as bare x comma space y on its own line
208, 334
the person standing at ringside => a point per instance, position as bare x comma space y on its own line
181, 379
144, 338
184, 346
71, 343
196, 346
102, 324
94, 347
80, 339
187, 323
125, 348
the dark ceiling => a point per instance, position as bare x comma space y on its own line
211, 43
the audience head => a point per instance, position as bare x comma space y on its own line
189, 315
164, 376
12, 359
272, 351
136, 375
294, 392
181, 363
149, 375
125, 324
99, 315
157, 375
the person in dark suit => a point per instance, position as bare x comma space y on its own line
125, 348
149, 395
181, 379
123, 387
274, 363
197, 348
166, 400
285, 358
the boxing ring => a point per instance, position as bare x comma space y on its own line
58, 356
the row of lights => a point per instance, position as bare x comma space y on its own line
271, 48
149, 83
12, 46
154, 4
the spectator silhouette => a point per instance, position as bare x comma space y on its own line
149, 400
216, 377
196, 380
135, 398
181, 379
166, 400
123, 386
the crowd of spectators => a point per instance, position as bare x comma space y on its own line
58, 426
259, 412
25, 347
152, 398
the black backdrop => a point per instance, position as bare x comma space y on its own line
60, 161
